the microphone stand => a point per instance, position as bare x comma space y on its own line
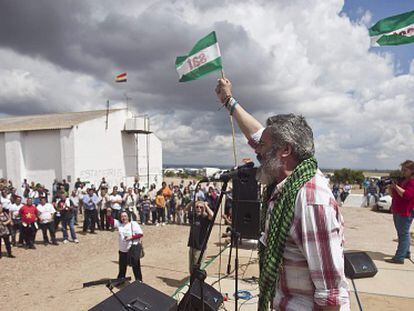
197, 273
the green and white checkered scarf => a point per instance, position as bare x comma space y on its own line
281, 218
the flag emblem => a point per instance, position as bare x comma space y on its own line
394, 30
121, 77
204, 58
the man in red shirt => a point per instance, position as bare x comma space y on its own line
28, 214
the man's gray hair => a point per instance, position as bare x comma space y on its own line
293, 130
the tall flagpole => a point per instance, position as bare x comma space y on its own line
232, 130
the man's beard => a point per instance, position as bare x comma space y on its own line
269, 169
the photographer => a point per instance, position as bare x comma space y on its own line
403, 211
199, 219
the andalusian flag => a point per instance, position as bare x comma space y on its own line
203, 59
394, 30
121, 78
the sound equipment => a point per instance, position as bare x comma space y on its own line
359, 265
246, 205
212, 298
106, 281
140, 297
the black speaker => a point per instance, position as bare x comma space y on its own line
359, 265
212, 298
246, 205
141, 297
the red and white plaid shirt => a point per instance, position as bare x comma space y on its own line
312, 274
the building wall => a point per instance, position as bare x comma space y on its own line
3, 169
14, 157
154, 175
99, 152
42, 156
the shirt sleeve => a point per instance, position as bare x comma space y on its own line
255, 139
409, 191
136, 229
116, 223
321, 239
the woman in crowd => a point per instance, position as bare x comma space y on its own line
129, 233
403, 211
5, 221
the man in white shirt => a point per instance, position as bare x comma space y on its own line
46, 212
17, 223
116, 201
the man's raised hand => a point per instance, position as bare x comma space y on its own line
223, 89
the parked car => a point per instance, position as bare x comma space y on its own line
384, 203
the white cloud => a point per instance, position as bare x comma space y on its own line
286, 56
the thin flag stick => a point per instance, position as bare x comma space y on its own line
232, 130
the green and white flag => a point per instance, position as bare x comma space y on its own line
203, 59
394, 30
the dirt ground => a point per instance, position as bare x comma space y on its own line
51, 277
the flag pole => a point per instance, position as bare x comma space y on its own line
232, 130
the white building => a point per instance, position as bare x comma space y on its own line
89, 145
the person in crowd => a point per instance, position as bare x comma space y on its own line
136, 184
130, 200
186, 199
81, 192
28, 215
90, 204
199, 194
129, 233
121, 189
152, 193
17, 223
172, 208
180, 206
46, 223
336, 191
200, 218
346, 190
67, 216
372, 191
146, 209
74, 200
77, 184
5, 198
212, 197
160, 204
301, 224
116, 201
66, 186
403, 211
103, 184
103, 205
5, 221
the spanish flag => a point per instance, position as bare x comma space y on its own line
121, 77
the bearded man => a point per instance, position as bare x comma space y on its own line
301, 256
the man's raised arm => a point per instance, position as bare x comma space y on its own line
247, 123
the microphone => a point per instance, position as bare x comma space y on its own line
230, 174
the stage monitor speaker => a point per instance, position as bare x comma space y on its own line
359, 265
141, 297
212, 298
246, 205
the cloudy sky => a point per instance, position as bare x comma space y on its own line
303, 56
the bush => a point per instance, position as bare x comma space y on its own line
169, 174
347, 175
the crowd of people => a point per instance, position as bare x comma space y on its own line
22, 215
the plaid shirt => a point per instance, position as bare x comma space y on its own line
312, 274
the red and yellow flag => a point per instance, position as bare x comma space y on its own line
121, 77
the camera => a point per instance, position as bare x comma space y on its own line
391, 180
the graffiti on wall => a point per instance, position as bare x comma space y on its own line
98, 174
